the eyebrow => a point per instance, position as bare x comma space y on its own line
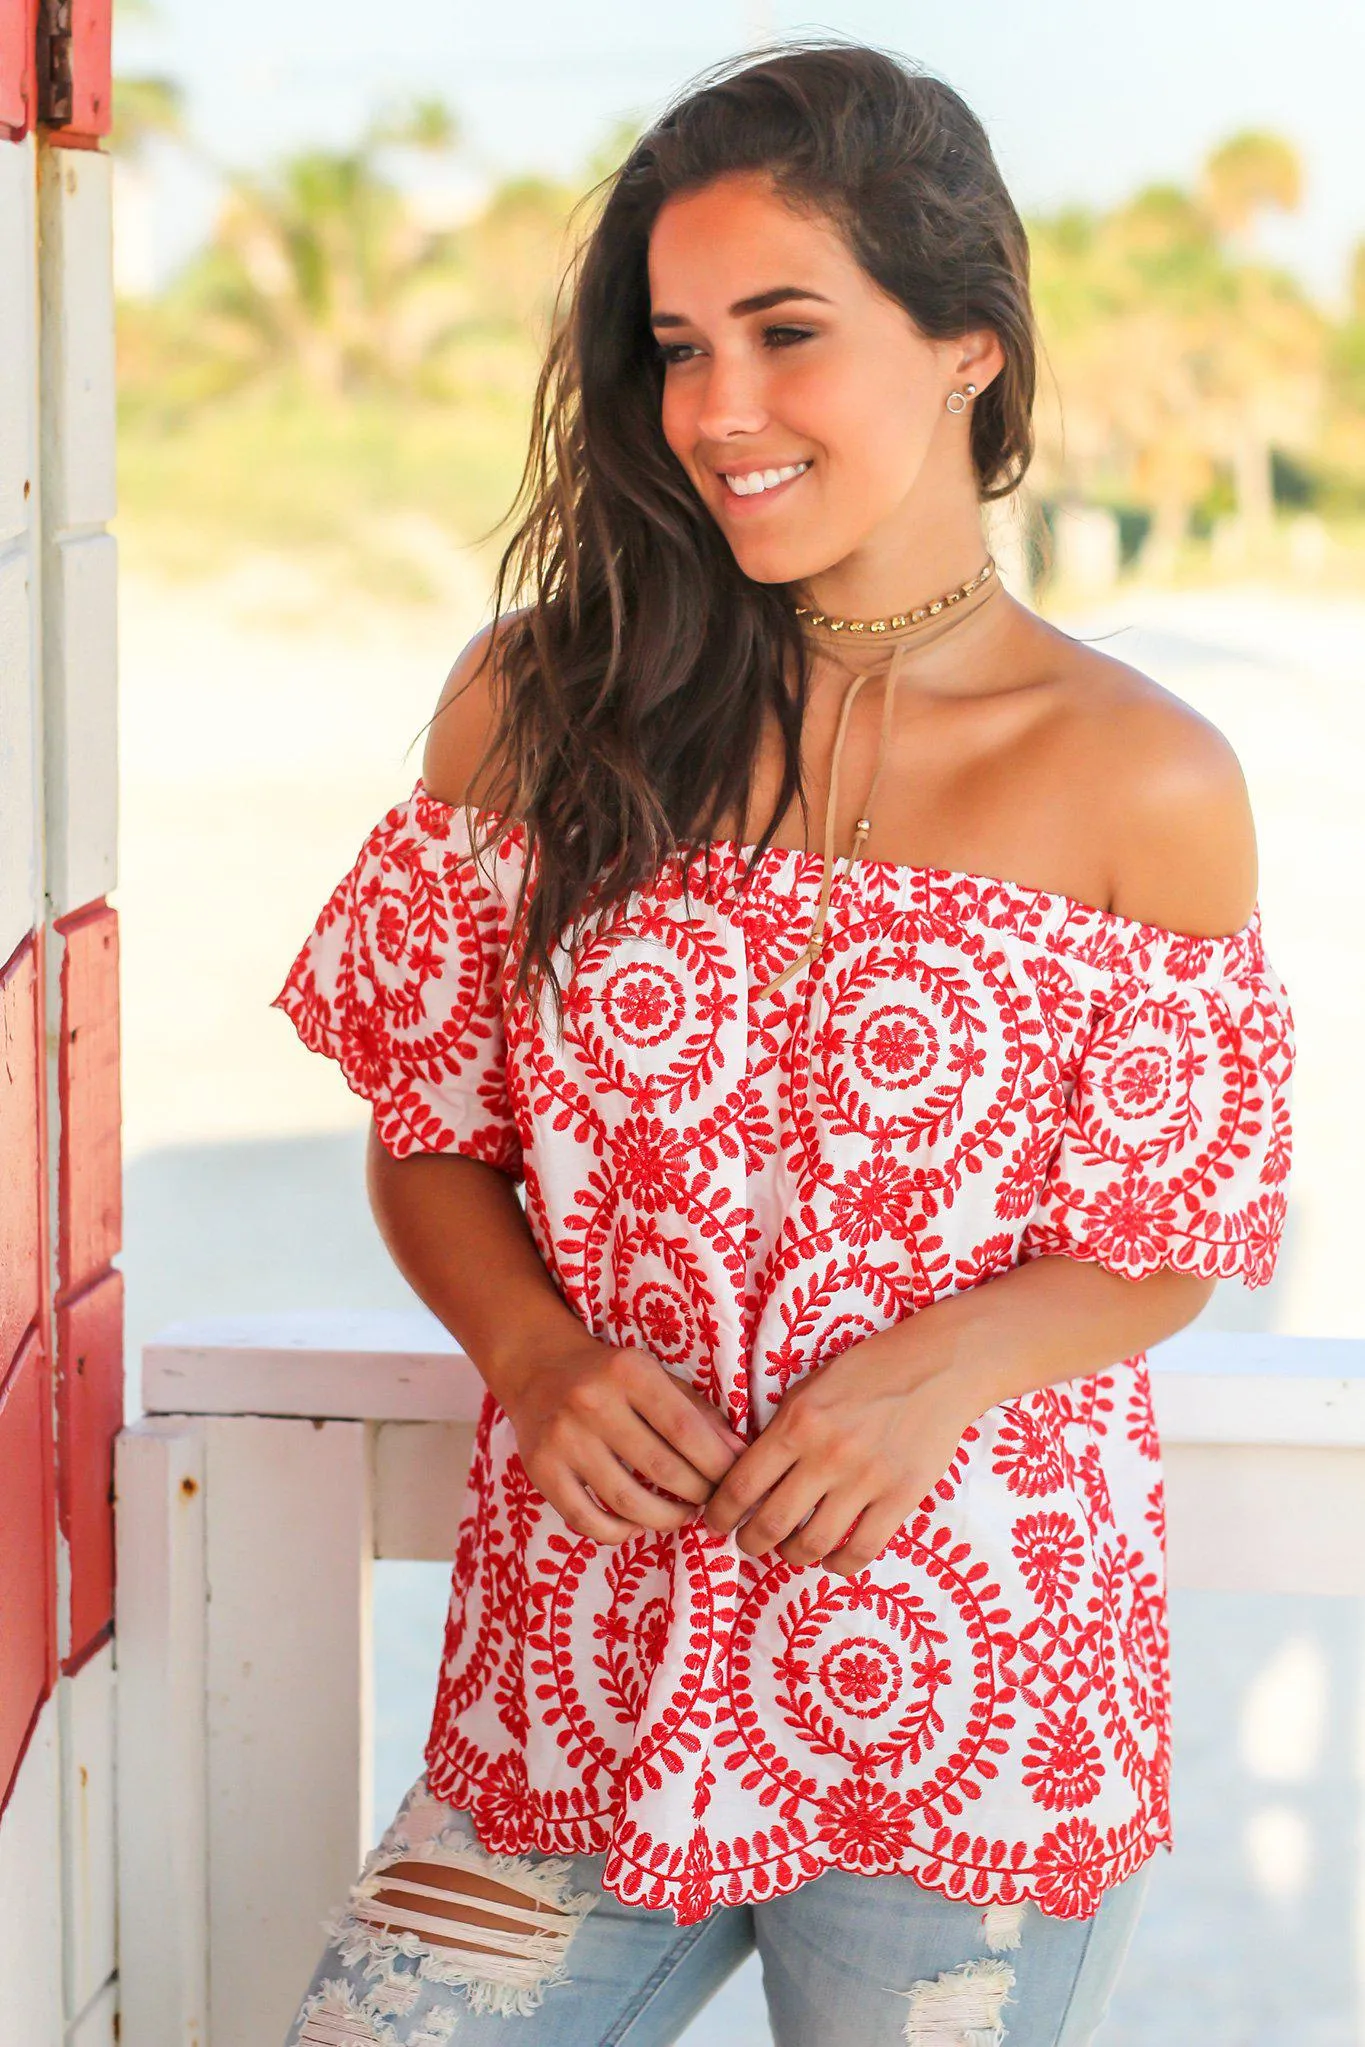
761, 302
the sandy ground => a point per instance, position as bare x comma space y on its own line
261, 737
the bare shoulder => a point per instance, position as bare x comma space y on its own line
1173, 795
454, 767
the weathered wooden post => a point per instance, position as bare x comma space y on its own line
61, 1384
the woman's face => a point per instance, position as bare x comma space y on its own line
782, 355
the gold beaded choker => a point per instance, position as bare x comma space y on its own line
897, 619
944, 615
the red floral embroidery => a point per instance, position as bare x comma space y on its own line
865, 1826
1051, 1555
1071, 1872
1062, 1764
975, 1073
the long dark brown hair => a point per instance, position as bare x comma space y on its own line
631, 690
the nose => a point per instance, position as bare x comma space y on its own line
732, 398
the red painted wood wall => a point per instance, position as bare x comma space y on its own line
61, 78
89, 1290
28, 1664
18, 68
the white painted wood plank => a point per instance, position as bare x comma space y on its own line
77, 286
420, 1470
1258, 1354
1221, 1387
160, 1724
98, 2025
290, 1543
1265, 1518
1255, 1518
380, 1365
1254, 1388
80, 716
79, 560
1285, 1408
86, 1715
30, 1895
20, 839
18, 341
389, 1366
20, 691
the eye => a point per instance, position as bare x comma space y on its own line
773, 337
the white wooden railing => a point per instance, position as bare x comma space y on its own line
279, 1456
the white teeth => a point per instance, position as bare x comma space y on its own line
763, 479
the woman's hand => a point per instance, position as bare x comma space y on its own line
591, 1420
861, 1440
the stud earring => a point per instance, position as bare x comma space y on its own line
957, 400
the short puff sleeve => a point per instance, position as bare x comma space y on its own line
1176, 1144
399, 982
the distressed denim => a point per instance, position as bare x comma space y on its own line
871, 1961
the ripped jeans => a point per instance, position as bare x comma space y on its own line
441, 1939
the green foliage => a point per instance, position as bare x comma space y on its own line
1248, 174
425, 124
339, 351
323, 275
1182, 363
143, 108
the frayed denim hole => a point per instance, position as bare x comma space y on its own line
502, 1952
962, 2008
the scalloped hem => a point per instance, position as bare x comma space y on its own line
406, 1126
1186, 1255
999, 1888
748, 1887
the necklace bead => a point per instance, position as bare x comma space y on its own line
899, 618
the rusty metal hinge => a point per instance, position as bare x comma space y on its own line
55, 100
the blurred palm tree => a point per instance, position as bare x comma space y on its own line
1273, 347
324, 267
1250, 173
1181, 356
1185, 358
1344, 438
516, 250
145, 106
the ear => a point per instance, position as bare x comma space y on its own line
977, 357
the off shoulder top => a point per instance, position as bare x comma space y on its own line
745, 1152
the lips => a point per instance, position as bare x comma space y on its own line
757, 483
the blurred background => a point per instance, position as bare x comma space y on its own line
338, 231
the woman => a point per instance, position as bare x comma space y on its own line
866, 981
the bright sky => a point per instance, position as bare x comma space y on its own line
1084, 99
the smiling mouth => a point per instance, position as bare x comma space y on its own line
758, 482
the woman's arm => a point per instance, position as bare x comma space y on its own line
1044, 1322
865, 1437
456, 1231
591, 1421
858, 1444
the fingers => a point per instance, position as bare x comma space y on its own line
639, 1445
711, 1415
875, 1527
762, 1466
578, 1510
672, 1410
617, 1414
834, 1521
623, 1495
780, 1514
